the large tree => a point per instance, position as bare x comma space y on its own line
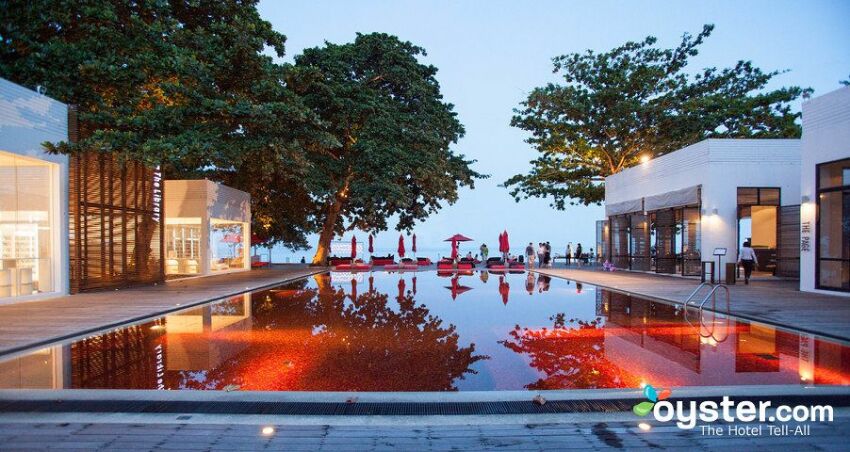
182, 84
392, 132
639, 100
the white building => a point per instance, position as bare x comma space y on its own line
825, 189
33, 196
207, 228
670, 213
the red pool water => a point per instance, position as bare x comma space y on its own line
425, 332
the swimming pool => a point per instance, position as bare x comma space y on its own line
424, 331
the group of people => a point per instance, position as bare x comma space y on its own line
542, 255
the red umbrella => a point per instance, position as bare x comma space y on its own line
371, 248
507, 243
458, 238
371, 283
232, 237
353, 289
414, 244
504, 289
457, 288
414, 285
353, 247
400, 245
401, 288
256, 240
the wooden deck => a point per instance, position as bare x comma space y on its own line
512, 436
771, 301
24, 325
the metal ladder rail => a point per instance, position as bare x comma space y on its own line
694, 293
711, 295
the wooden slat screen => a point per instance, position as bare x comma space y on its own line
788, 254
116, 240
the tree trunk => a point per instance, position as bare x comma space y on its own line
334, 210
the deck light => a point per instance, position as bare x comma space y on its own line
644, 426
268, 430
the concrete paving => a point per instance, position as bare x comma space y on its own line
30, 324
772, 301
274, 435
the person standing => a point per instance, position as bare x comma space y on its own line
529, 254
540, 252
747, 258
569, 254
484, 252
578, 253
547, 254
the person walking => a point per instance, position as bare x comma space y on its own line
529, 254
484, 252
747, 258
578, 254
569, 254
540, 252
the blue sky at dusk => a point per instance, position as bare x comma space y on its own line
491, 54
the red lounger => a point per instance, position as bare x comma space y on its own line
401, 267
423, 261
445, 265
465, 266
383, 261
353, 267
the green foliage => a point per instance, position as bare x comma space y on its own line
392, 136
845, 82
635, 100
184, 84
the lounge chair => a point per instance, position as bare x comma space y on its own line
383, 260
336, 260
445, 264
423, 261
495, 261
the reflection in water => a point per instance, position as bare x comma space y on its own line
406, 332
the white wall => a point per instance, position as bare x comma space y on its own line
720, 166
208, 200
826, 137
28, 119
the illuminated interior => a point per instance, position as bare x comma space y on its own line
227, 245
26, 226
182, 246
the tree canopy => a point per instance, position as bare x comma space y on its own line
392, 133
348, 136
181, 84
639, 100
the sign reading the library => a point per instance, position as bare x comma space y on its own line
157, 194
806, 236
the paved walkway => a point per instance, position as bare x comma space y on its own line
25, 325
771, 301
520, 436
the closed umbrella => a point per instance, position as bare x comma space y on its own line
371, 248
401, 287
353, 247
504, 289
413, 248
401, 245
507, 243
414, 285
354, 290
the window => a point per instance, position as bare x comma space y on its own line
26, 226
833, 226
227, 245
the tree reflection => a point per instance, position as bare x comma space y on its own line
571, 355
322, 339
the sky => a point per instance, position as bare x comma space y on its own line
491, 54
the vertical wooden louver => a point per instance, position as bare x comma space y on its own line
116, 235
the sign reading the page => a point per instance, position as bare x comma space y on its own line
806, 236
